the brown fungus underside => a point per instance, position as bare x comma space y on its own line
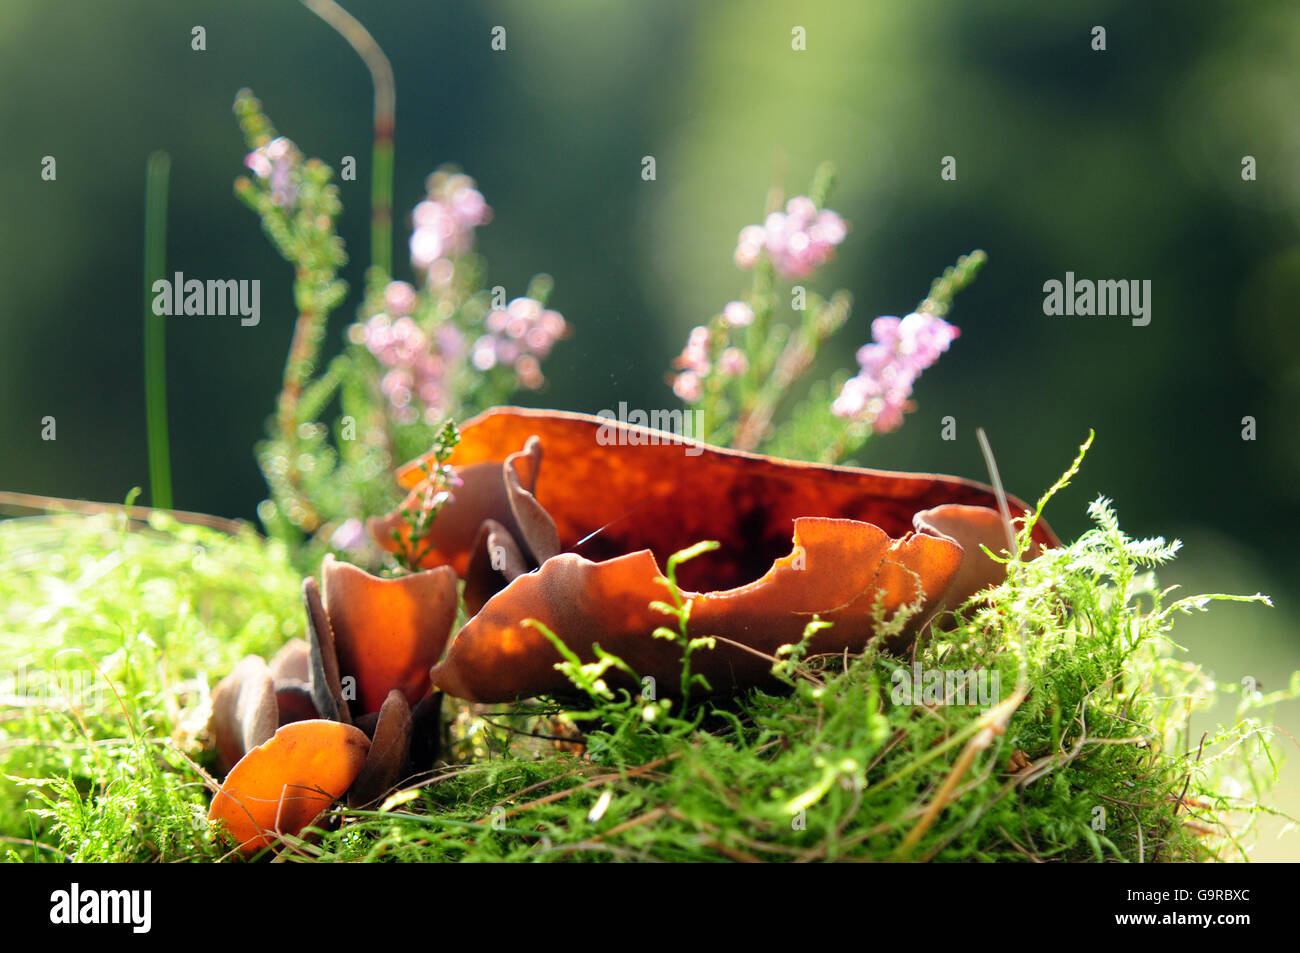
578, 544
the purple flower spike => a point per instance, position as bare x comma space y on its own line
799, 240
901, 349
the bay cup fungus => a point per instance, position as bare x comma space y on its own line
578, 543
287, 782
346, 713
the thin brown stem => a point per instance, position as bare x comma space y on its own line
30, 502
381, 76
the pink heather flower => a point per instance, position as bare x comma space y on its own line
415, 380
529, 370
445, 222
508, 351
924, 337
399, 298
695, 364
799, 240
749, 246
900, 350
485, 353
426, 248
276, 162
441, 273
279, 148
468, 207
450, 341
686, 386
521, 334
350, 536
737, 314
431, 215
733, 362
695, 356
258, 161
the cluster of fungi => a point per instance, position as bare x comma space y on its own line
578, 547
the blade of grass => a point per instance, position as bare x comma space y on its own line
155, 332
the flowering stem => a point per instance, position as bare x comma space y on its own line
381, 199
820, 322
823, 184
381, 76
762, 299
307, 333
954, 279
303, 349
155, 331
794, 361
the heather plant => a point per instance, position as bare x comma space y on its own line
740, 369
419, 355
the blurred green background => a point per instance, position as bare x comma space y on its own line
1117, 164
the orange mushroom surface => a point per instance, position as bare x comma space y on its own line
387, 632
613, 488
282, 786
848, 573
873, 552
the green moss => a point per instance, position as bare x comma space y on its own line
112, 638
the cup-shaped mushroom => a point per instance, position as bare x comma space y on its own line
282, 786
